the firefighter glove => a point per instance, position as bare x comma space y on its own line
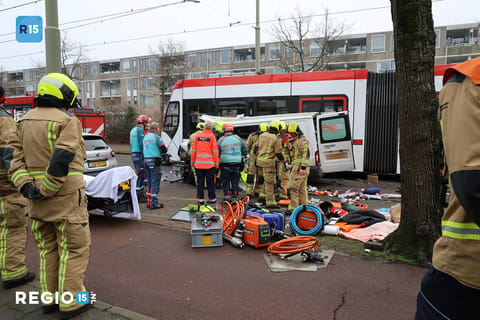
29, 191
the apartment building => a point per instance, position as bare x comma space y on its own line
132, 80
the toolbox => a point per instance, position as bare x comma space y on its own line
206, 236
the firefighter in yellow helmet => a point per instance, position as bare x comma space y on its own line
269, 151
252, 186
47, 167
299, 161
13, 220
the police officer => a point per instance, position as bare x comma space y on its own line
153, 149
252, 186
136, 146
232, 150
269, 150
13, 221
299, 167
451, 287
47, 168
204, 157
199, 128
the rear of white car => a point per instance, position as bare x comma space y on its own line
100, 156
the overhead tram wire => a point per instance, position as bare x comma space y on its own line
20, 5
195, 30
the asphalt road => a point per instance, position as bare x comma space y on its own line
150, 267
154, 271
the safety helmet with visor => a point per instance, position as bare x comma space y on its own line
143, 119
227, 127
293, 127
58, 90
263, 127
200, 125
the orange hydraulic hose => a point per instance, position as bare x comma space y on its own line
232, 213
294, 245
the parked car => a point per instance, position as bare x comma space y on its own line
100, 156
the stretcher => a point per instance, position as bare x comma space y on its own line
112, 192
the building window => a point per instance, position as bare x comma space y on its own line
274, 52
134, 65
437, 39
152, 63
288, 52
203, 59
144, 64
126, 66
225, 56
147, 100
147, 83
192, 59
94, 69
135, 84
385, 65
314, 49
213, 58
378, 43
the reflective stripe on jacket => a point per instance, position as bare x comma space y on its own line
204, 152
269, 147
8, 132
50, 152
300, 154
457, 251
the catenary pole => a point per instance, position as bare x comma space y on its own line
52, 37
257, 38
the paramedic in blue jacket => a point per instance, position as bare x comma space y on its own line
136, 146
153, 149
233, 151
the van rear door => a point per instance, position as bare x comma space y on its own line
334, 142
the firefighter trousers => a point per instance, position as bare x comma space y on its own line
13, 236
252, 185
297, 187
64, 247
268, 175
284, 175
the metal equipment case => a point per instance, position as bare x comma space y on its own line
206, 236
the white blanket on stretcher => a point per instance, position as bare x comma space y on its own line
105, 185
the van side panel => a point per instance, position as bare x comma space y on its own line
356, 110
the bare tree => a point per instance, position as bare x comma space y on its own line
292, 34
420, 137
73, 54
170, 69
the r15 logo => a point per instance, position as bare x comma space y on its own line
29, 29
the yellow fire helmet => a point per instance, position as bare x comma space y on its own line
275, 124
292, 127
263, 127
201, 125
57, 88
283, 125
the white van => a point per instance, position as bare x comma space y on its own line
330, 147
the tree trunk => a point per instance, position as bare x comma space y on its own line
420, 137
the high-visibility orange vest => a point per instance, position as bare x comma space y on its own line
204, 152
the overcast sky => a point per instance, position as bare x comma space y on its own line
196, 25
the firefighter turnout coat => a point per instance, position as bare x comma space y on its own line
297, 183
457, 251
51, 154
13, 221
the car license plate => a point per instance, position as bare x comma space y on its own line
96, 164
